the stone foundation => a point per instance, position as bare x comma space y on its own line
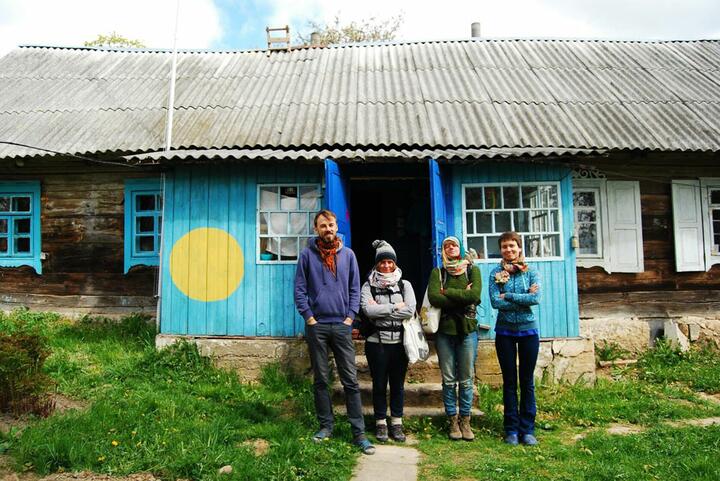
567, 360
559, 360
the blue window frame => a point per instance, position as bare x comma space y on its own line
20, 224
143, 222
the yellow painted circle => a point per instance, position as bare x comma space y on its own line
206, 264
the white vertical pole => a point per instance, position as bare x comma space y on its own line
168, 144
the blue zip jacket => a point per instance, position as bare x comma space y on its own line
514, 311
320, 294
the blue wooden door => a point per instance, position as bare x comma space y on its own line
438, 211
337, 198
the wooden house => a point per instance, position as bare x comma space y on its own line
602, 154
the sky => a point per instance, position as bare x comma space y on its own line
240, 24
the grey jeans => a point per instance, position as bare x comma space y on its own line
338, 338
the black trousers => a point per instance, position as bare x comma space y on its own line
388, 364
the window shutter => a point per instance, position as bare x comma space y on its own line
687, 226
625, 227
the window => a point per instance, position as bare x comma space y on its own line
696, 223
608, 224
20, 224
530, 209
285, 220
143, 222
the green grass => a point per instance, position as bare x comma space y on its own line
698, 368
171, 413
571, 426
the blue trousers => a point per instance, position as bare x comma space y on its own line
338, 338
511, 352
457, 355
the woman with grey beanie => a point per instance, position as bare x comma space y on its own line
386, 301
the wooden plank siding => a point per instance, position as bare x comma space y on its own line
225, 198
655, 173
558, 310
81, 208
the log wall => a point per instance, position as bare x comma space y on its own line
82, 223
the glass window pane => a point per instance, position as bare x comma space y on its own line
269, 198
473, 198
584, 199
521, 219
21, 204
289, 198
158, 201
716, 214
715, 196
470, 220
477, 243
548, 196
145, 243
539, 221
278, 223
3, 226
586, 216
298, 223
22, 245
587, 236
511, 197
530, 197
492, 197
22, 226
502, 222
263, 223
145, 224
266, 254
289, 249
4, 204
159, 224
532, 246
3, 245
493, 249
144, 202
310, 197
483, 222
554, 221
551, 245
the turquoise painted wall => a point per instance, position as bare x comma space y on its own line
558, 310
225, 197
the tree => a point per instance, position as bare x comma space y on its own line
114, 40
368, 30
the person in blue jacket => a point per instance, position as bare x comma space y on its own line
514, 287
327, 296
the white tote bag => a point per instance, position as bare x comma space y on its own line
416, 347
429, 314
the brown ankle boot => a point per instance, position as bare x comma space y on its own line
454, 432
465, 428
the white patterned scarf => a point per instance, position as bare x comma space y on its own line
381, 280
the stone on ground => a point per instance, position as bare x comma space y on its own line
396, 463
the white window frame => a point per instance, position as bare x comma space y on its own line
706, 185
606, 260
259, 212
517, 184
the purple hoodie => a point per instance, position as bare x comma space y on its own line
320, 294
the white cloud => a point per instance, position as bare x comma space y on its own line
622, 19
72, 22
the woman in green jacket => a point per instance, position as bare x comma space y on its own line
455, 289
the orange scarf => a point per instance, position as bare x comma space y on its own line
328, 253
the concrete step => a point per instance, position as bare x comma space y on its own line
420, 372
416, 394
411, 411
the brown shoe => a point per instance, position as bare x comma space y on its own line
465, 428
454, 432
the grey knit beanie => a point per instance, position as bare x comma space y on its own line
383, 251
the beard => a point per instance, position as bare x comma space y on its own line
328, 238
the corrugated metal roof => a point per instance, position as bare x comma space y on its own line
472, 95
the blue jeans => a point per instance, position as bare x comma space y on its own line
457, 356
337, 337
518, 419
388, 364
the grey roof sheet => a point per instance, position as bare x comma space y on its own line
477, 95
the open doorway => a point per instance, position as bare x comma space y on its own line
395, 209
